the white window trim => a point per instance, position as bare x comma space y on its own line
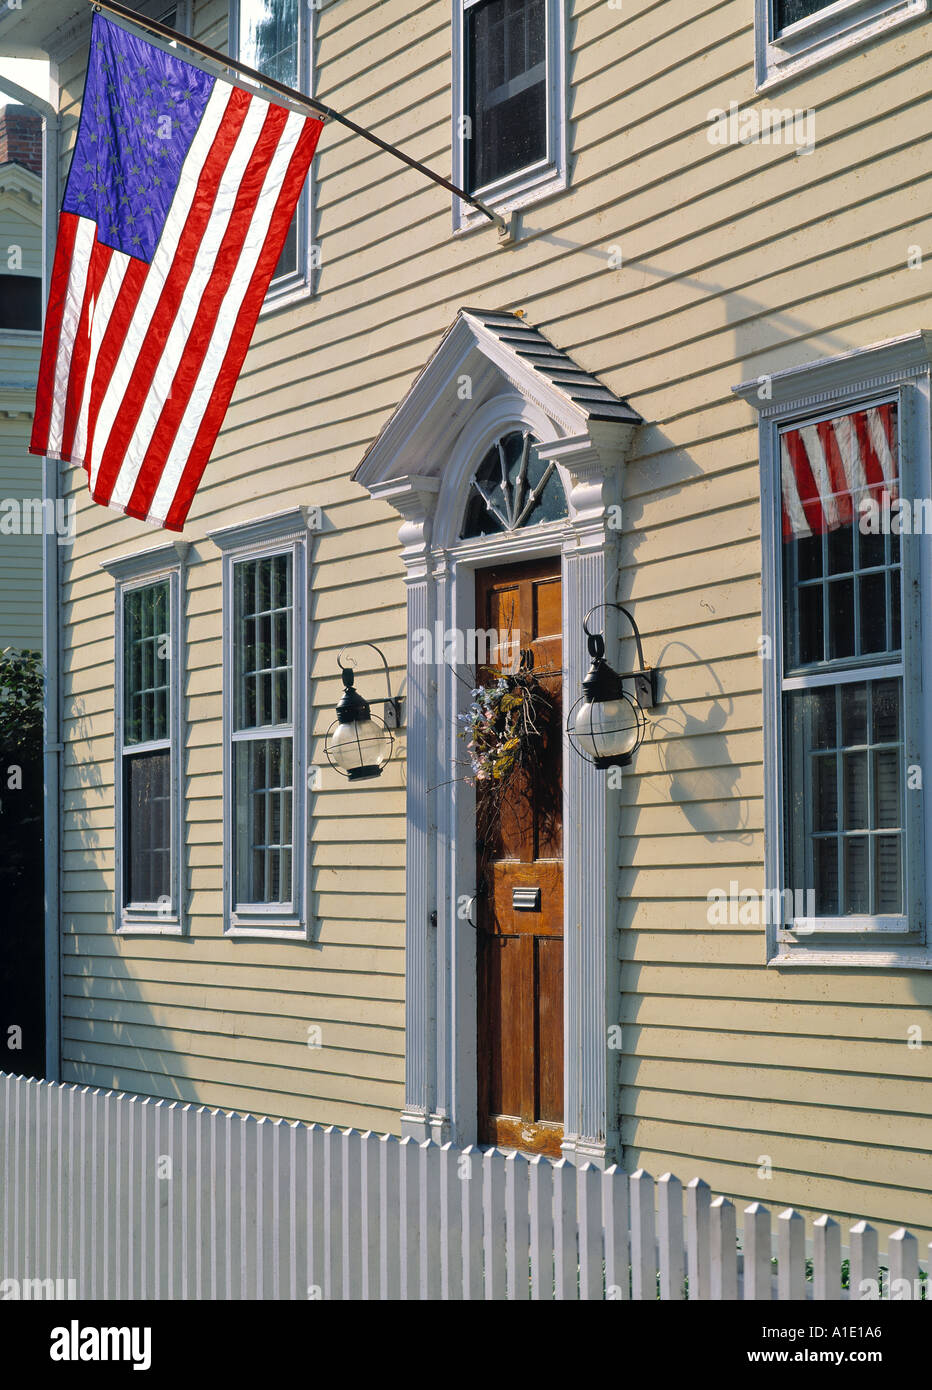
900, 368
537, 181
302, 283
823, 36
283, 532
134, 572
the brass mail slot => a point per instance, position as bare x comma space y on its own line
525, 899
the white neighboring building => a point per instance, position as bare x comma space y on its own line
20, 338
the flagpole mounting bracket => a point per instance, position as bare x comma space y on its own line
507, 228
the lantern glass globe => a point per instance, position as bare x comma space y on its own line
607, 728
360, 749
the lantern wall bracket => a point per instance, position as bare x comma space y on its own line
645, 677
393, 708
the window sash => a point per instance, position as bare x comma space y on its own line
147, 793
256, 581
487, 169
147, 704
148, 840
839, 829
797, 837
264, 822
263, 625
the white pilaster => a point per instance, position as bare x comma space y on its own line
414, 498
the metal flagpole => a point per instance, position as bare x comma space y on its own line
292, 94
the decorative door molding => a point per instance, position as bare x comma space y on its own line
428, 485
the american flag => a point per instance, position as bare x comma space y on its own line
179, 198
828, 468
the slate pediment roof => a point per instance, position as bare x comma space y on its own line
556, 366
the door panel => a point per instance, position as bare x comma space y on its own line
520, 936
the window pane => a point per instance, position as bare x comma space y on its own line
826, 877
857, 889
147, 820
885, 711
146, 664
263, 634
808, 557
825, 791
886, 787
268, 41
21, 302
841, 618
506, 88
853, 713
263, 792
888, 873
855, 784
810, 633
872, 596
865, 839
841, 550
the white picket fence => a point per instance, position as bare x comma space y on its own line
132, 1197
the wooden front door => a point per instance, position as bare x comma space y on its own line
520, 933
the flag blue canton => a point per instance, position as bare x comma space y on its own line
142, 107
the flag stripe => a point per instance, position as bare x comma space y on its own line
80, 356
837, 477
74, 299
182, 483
61, 273
111, 350
805, 482
110, 290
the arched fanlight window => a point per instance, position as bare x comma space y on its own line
513, 488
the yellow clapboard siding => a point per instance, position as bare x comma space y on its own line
382, 986
760, 1118
328, 1061
345, 1037
735, 261
886, 1206
368, 1090
240, 1098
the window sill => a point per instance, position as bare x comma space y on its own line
281, 928
146, 924
524, 189
846, 956
285, 297
825, 36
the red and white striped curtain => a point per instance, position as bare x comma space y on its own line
828, 468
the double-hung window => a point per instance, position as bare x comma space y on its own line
509, 140
843, 672
794, 35
275, 38
265, 699
846, 573
149, 814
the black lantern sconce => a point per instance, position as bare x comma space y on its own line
606, 726
358, 744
